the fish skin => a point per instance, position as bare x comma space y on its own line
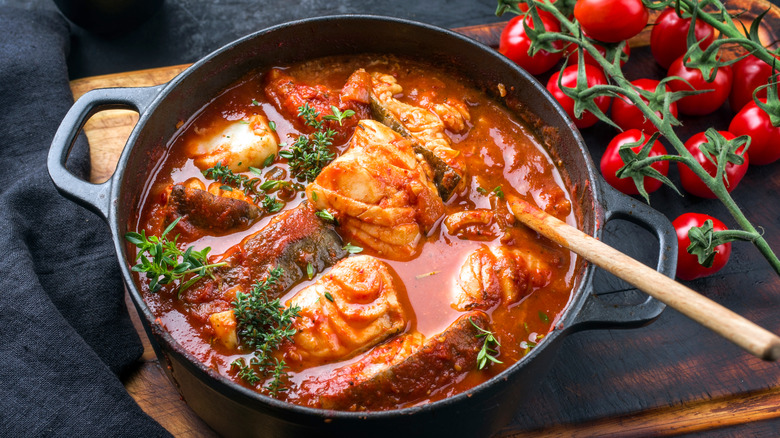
291, 241
441, 360
445, 178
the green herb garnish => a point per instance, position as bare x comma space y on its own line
262, 325
326, 216
311, 153
163, 262
352, 249
251, 186
338, 115
271, 204
486, 353
329, 296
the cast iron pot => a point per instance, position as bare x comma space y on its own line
233, 410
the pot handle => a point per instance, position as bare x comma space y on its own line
94, 197
596, 312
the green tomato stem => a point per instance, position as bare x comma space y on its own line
615, 73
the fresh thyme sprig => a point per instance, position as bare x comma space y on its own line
251, 186
311, 153
163, 262
262, 325
659, 114
487, 353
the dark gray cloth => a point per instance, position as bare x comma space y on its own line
65, 331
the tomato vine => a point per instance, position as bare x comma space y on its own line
655, 105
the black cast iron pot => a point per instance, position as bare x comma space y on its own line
233, 410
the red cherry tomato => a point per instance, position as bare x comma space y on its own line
573, 55
688, 267
514, 44
704, 103
749, 74
611, 162
669, 38
611, 21
628, 116
693, 185
594, 76
764, 138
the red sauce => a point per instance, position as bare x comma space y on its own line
500, 151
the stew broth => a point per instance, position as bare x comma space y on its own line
503, 158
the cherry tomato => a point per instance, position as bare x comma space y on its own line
594, 76
611, 21
669, 38
749, 74
688, 267
611, 162
693, 185
704, 103
514, 44
628, 116
754, 122
574, 49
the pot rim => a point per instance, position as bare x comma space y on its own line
577, 297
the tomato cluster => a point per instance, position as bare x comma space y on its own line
607, 22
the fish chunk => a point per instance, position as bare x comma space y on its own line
381, 194
239, 146
496, 275
425, 128
293, 240
403, 370
224, 326
288, 95
349, 310
210, 213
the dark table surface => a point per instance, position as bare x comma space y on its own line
598, 374
182, 31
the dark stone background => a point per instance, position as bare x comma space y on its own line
182, 31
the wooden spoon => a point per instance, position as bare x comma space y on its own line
746, 334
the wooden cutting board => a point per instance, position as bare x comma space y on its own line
670, 377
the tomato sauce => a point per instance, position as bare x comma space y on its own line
502, 155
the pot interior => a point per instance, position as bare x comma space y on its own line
299, 41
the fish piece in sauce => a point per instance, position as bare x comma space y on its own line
240, 145
405, 369
496, 275
381, 194
293, 240
425, 127
288, 95
347, 311
209, 213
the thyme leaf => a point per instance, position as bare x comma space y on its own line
487, 353
164, 263
352, 249
252, 187
311, 153
262, 325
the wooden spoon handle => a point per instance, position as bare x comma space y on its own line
746, 334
